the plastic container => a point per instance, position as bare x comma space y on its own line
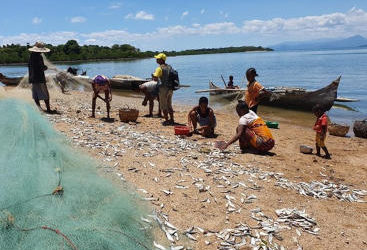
305, 149
182, 130
270, 124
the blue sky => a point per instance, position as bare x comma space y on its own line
176, 25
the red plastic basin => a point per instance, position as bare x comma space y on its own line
182, 130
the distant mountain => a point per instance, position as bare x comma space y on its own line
352, 42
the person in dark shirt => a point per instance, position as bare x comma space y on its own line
203, 115
36, 71
230, 83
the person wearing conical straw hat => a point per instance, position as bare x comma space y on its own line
36, 70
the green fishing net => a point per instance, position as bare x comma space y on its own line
52, 197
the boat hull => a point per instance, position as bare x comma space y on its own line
306, 100
11, 81
225, 94
126, 84
289, 98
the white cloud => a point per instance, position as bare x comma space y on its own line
202, 11
141, 15
308, 27
36, 20
78, 19
185, 13
115, 6
31, 38
278, 29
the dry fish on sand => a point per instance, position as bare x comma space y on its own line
294, 217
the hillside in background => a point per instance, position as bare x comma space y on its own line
353, 42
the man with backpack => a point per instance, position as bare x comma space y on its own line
167, 79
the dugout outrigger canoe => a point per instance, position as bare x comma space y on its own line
287, 97
10, 81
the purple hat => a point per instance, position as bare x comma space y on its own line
100, 80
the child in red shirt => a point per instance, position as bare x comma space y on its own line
321, 128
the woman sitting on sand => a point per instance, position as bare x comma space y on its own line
252, 131
203, 115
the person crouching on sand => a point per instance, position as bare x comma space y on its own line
321, 128
203, 115
251, 132
101, 84
151, 92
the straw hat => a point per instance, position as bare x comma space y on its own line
39, 47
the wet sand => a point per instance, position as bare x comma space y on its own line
151, 158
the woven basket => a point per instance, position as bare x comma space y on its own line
338, 130
128, 115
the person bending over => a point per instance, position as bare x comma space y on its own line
101, 84
251, 132
150, 90
203, 115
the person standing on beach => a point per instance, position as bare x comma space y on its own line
321, 128
161, 75
255, 91
36, 71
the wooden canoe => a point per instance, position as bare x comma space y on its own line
286, 97
10, 81
126, 82
303, 99
229, 94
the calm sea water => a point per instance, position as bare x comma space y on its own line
311, 70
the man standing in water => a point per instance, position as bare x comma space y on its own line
165, 92
36, 71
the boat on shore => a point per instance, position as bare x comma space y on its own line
229, 94
10, 81
287, 97
126, 82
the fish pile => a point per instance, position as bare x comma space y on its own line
232, 186
294, 217
323, 190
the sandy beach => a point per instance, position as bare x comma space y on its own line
213, 197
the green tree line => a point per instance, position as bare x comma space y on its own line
72, 51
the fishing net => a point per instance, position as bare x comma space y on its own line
52, 197
59, 79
